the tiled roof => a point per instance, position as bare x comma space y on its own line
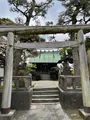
46, 57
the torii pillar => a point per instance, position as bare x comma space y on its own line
7, 90
85, 113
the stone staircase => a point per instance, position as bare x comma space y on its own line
45, 76
45, 95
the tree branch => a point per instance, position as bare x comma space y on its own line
87, 21
19, 9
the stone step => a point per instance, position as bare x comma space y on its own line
45, 76
48, 92
45, 96
45, 100
44, 89
44, 103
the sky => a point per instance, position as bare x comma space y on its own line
52, 15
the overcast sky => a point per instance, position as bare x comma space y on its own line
52, 15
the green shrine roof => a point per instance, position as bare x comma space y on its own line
46, 57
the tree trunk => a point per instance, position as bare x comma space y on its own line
76, 60
17, 60
27, 21
28, 18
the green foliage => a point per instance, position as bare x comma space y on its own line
49, 23
21, 73
30, 67
69, 51
33, 85
73, 10
65, 51
13, 86
62, 52
31, 38
22, 80
87, 43
6, 21
24, 72
1, 86
30, 9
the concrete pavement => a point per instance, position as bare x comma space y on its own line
45, 84
43, 112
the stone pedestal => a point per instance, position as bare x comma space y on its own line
84, 115
21, 99
70, 99
8, 116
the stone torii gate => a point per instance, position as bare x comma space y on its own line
11, 30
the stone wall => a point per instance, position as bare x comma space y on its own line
21, 100
70, 99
